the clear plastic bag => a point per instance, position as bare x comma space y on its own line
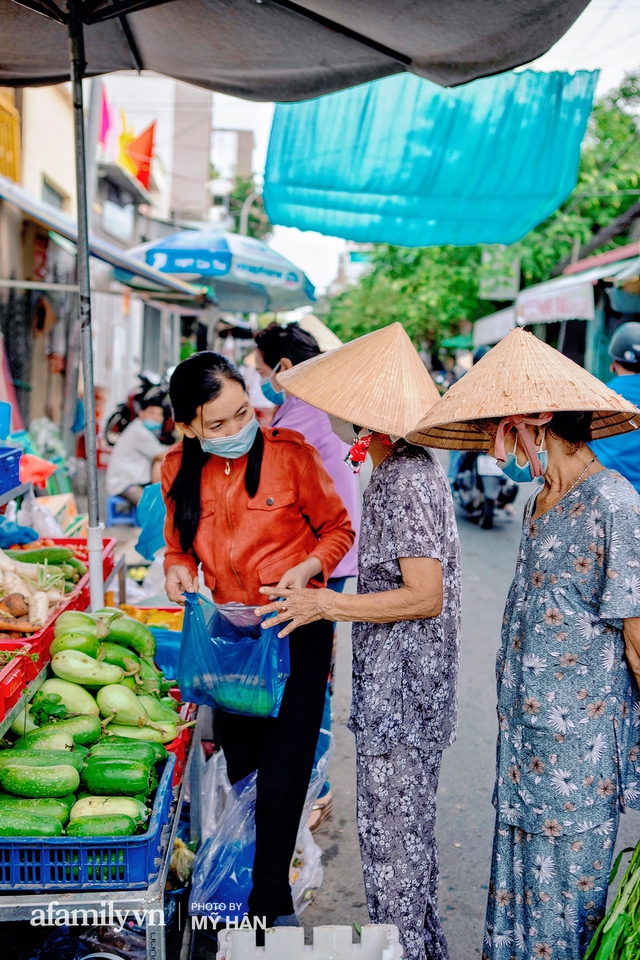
214, 791
222, 871
235, 666
38, 517
305, 874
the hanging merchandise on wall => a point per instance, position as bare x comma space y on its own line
404, 161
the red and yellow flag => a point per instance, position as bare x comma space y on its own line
136, 153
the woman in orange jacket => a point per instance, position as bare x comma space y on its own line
255, 507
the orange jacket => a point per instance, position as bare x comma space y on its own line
246, 543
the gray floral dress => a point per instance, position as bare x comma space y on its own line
569, 719
404, 706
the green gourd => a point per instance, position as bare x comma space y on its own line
75, 641
45, 738
51, 781
76, 667
157, 710
119, 655
20, 823
105, 806
41, 758
130, 632
161, 732
136, 749
112, 825
75, 698
113, 777
46, 807
73, 621
122, 705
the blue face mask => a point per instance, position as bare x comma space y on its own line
270, 393
518, 474
153, 426
512, 469
234, 447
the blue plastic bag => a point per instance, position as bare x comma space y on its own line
11, 533
151, 513
228, 661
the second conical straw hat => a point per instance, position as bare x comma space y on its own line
377, 381
521, 374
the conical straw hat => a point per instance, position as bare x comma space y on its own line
325, 338
521, 374
377, 381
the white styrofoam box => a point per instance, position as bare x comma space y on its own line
377, 942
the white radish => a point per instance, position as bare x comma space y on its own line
39, 607
54, 596
28, 570
13, 583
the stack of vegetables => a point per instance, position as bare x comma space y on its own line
33, 584
92, 736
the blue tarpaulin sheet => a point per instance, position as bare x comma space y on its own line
404, 161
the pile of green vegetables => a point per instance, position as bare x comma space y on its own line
618, 936
89, 741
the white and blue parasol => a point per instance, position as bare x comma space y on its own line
245, 274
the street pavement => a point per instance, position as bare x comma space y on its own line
465, 814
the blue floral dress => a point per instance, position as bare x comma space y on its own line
569, 717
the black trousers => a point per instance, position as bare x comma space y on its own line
281, 749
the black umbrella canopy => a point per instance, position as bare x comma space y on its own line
261, 50
278, 49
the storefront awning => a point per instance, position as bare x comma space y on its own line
489, 330
566, 298
61, 223
630, 271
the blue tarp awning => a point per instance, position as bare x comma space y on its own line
407, 162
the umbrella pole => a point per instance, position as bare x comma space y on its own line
94, 538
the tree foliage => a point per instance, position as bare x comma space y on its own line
609, 168
430, 290
258, 224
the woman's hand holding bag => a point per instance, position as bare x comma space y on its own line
178, 582
299, 607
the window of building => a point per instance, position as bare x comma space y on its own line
52, 196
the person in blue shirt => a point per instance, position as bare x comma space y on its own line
622, 452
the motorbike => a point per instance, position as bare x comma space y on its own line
481, 488
151, 385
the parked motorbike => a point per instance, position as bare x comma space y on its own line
151, 385
481, 488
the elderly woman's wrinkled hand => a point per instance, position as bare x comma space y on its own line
299, 607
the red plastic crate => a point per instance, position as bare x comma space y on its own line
16, 675
180, 746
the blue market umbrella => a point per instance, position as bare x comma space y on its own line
245, 273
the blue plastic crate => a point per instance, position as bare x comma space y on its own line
9, 468
70, 863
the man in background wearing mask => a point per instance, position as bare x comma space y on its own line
622, 452
137, 456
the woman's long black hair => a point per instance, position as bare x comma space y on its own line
277, 341
193, 383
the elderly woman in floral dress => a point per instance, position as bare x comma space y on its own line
406, 623
568, 706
